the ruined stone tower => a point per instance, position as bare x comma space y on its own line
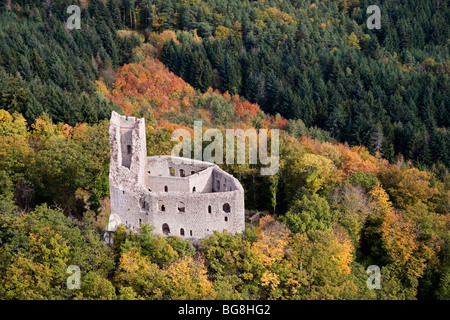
178, 196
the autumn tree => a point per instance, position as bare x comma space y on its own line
413, 186
187, 280
145, 278
327, 263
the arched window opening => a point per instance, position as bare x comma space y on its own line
161, 205
190, 232
209, 209
194, 189
181, 232
166, 189
182, 173
181, 207
226, 219
172, 171
226, 207
165, 229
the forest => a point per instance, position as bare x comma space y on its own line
364, 152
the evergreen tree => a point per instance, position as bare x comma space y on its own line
229, 75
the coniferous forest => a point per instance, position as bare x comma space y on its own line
364, 120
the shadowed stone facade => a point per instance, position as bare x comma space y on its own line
178, 196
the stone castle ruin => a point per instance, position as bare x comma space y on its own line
178, 196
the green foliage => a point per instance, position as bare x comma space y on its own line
326, 262
96, 287
40, 245
444, 286
58, 169
365, 180
218, 252
223, 111
309, 213
45, 68
316, 65
161, 250
341, 79
48, 164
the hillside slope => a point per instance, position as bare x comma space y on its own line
329, 212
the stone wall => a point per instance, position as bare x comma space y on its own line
203, 213
202, 181
180, 197
126, 206
123, 177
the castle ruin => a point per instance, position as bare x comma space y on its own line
178, 196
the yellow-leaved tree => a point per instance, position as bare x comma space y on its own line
187, 280
279, 279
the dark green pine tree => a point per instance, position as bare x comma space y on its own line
200, 72
440, 146
229, 75
170, 56
97, 11
285, 105
59, 107
215, 53
108, 43
13, 96
38, 64
272, 97
334, 70
187, 19
57, 72
204, 29
308, 111
427, 109
185, 64
167, 11
337, 122
114, 9
373, 49
424, 152
32, 108
86, 111
443, 118
251, 89
409, 138
25, 70
362, 126
129, 14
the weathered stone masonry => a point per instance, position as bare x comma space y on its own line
178, 196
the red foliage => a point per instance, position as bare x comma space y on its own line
173, 126
152, 82
281, 123
149, 87
246, 109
